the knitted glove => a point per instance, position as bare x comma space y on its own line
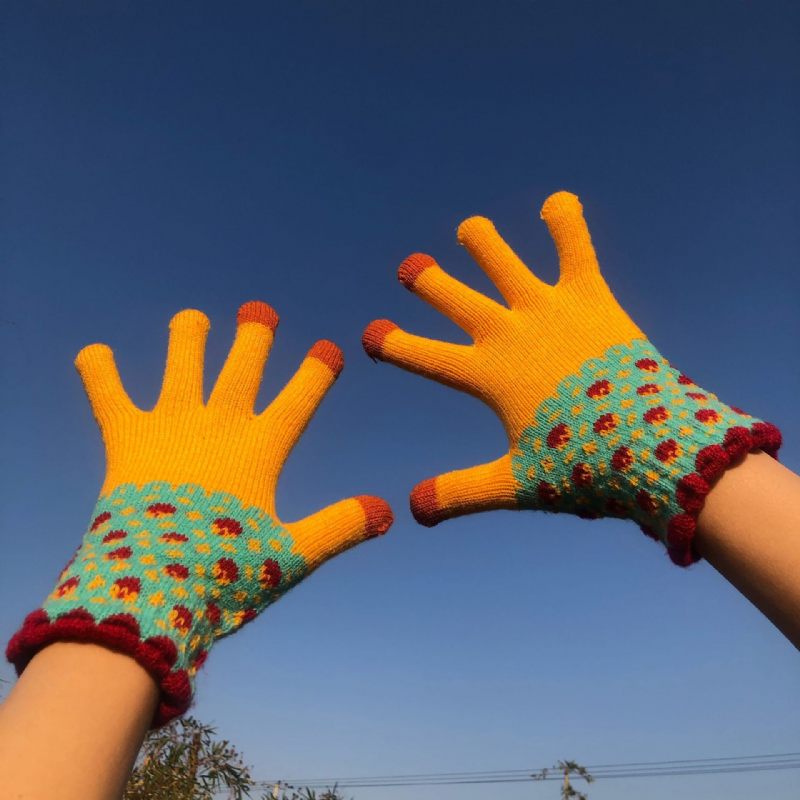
185, 545
598, 422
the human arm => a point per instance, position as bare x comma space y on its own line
749, 531
73, 723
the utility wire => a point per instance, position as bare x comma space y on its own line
638, 769
595, 767
759, 757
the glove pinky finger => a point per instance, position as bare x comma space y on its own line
340, 526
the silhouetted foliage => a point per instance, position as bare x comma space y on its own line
567, 768
185, 761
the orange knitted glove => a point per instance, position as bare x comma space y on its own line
598, 422
185, 545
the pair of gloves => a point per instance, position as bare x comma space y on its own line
185, 545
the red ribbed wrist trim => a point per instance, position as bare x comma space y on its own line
120, 633
710, 463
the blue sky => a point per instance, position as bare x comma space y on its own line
162, 156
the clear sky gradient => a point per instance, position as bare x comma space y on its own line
157, 156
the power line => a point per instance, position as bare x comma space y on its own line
595, 767
759, 757
636, 769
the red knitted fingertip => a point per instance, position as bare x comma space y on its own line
424, 505
257, 311
374, 335
378, 517
118, 632
329, 354
412, 268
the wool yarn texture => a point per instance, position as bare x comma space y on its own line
185, 545
599, 423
